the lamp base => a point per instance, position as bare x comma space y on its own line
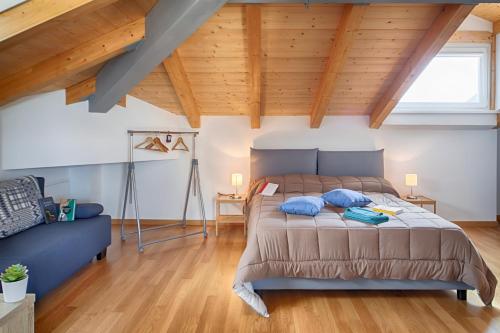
413, 197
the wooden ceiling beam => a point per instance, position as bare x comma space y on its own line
177, 74
33, 13
496, 27
435, 38
83, 90
254, 37
122, 102
80, 91
472, 37
351, 19
82, 57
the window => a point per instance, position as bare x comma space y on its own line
457, 78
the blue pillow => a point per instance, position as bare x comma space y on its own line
305, 205
346, 198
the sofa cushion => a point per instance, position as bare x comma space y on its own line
19, 206
54, 252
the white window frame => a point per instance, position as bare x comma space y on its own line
481, 49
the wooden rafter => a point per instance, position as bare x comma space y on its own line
84, 56
33, 13
80, 91
253, 19
471, 37
438, 34
175, 70
83, 90
122, 102
349, 23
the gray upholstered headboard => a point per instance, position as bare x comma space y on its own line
351, 163
277, 162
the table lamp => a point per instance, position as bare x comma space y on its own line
236, 180
411, 180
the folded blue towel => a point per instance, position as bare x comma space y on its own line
365, 215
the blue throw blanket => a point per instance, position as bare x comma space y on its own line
365, 215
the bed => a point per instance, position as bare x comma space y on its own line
415, 250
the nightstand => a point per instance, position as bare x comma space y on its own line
222, 199
19, 316
421, 201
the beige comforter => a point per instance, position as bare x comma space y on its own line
414, 245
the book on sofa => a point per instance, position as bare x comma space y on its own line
50, 209
67, 210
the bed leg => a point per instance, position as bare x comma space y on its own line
462, 294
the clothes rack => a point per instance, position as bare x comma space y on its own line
131, 194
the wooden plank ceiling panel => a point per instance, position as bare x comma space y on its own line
157, 90
218, 54
295, 42
64, 34
71, 80
33, 17
488, 11
83, 57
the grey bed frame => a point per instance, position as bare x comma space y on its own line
265, 161
361, 284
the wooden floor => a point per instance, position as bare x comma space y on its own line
185, 286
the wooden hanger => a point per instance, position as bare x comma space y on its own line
148, 141
152, 144
180, 142
157, 143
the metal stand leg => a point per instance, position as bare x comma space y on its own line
188, 193
140, 247
127, 189
200, 197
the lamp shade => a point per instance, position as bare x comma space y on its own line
236, 179
411, 179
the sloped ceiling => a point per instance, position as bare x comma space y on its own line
295, 40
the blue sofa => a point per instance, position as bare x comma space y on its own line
54, 252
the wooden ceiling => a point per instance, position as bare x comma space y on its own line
270, 59
488, 11
296, 43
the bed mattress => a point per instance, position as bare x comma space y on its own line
414, 245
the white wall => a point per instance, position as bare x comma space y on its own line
70, 135
457, 167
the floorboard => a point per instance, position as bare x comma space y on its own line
185, 286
